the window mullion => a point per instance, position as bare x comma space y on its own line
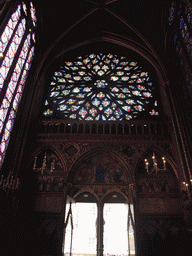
10, 40
14, 93
12, 67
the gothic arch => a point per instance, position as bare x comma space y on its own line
98, 152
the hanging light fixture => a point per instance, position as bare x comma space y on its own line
9, 183
44, 164
155, 169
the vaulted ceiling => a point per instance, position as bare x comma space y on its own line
66, 25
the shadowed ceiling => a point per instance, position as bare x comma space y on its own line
67, 25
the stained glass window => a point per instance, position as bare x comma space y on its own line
183, 39
16, 52
101, 87
171, 13
183, 21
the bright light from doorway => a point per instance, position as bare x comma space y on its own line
115, 237
84, 234
115, 229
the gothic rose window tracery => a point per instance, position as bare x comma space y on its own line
101, 87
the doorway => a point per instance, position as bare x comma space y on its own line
100, 228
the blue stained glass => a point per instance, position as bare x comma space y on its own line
83, 112
97, 118
114, 89
87, 78
96, 102
171, 13
127, 108
107, 79
77, 78
103, 118
101, 95
80, 95
76, 89
137, 93
114, 78
108, 112
89, 118
138, 107
120, 95
87, 89
112, 118
125, 90
21, 63
73, 116
100, 83
93, 112
105, 102
125, 78
81, 102
147, 94
100, 72
100, 108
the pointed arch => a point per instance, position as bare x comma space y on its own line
100, 152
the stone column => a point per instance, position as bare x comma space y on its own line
100, 229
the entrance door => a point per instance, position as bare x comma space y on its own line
118, 228
115, 229
84, 218
84, 233
102, 228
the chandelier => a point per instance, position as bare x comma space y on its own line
155, 169
10, 183
44, 165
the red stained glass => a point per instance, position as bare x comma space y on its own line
106, 80
13, 92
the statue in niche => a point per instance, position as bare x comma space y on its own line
100, 174
117, 175
85, 175
114, 175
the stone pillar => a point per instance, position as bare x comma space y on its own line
100, 229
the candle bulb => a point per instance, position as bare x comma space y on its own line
17, 185
164, 162
14, 183
4, 183
11, 181
1, 180
53, 165
34, 165
44, 164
